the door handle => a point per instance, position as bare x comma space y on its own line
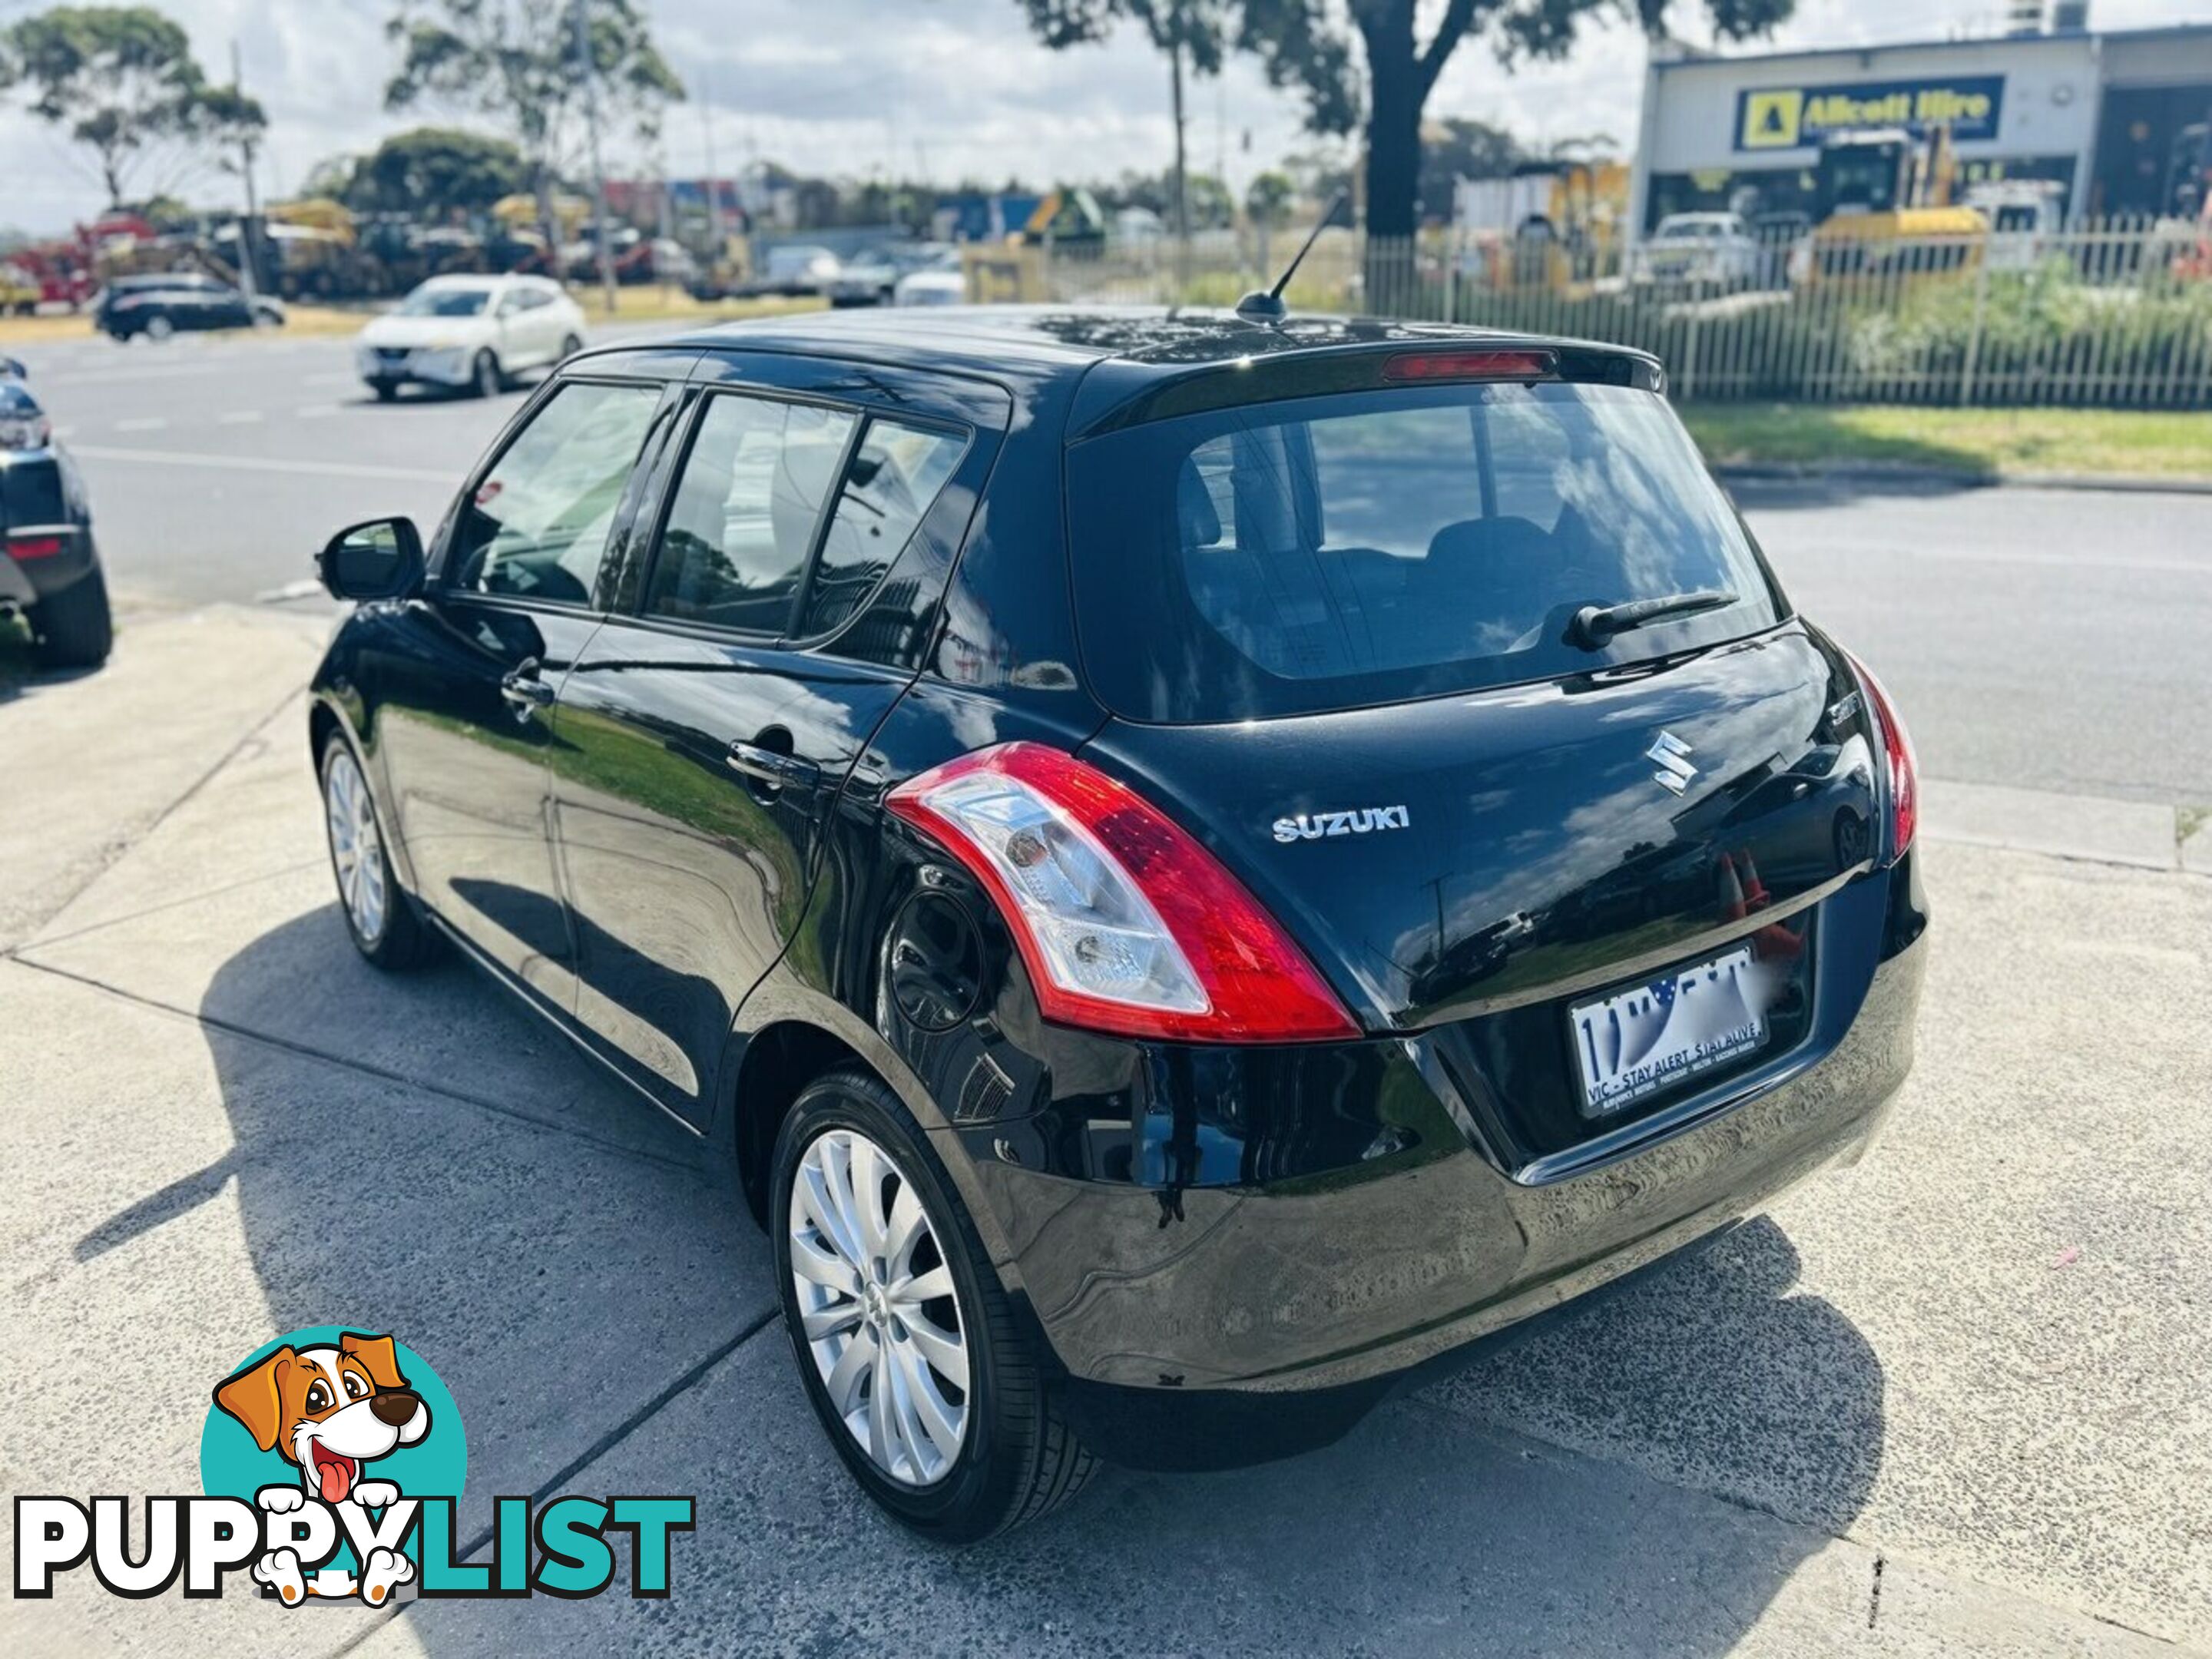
772, 766
524, 690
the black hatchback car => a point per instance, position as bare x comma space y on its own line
176, 302
1195, 867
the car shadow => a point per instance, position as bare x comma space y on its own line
562, 1255
21, 672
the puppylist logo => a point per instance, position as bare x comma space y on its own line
331, 1461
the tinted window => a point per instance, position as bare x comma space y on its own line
445, 303
745, 513
537, 526
894, 476
1337, 552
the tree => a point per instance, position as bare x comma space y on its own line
1455, 149
1192, 30
121, 80
1267, 199
515, 62
1363, 62
435, 172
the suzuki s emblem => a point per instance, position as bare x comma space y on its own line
1672, 757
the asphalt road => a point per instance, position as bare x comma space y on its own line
2049, 639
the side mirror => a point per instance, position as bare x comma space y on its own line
11, 369
381, 559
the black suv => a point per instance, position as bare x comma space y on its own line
1194, 866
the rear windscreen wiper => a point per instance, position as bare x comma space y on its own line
1594, 624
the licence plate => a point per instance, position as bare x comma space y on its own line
1637, 1042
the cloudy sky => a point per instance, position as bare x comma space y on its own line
942, 89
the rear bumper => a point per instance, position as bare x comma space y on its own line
26, 582
1217, 1325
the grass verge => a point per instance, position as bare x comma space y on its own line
632, 304
1984, 443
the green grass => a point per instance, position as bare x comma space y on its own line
1976, 442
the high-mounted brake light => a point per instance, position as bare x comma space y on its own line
1469, 365
1903, 766
1126, 923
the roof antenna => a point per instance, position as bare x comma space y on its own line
1268, 307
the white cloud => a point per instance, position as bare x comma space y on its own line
955, 88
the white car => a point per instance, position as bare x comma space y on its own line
472, 331
935, 285
1714, 252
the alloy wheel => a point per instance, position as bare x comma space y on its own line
879, 1308
357, 849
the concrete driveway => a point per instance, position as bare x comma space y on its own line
1951, 1402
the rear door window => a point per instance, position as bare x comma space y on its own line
743, 522
1343, 551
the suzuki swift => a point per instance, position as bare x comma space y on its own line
1193, 866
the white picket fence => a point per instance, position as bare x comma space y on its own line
2114, 313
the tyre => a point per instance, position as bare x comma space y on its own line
570, 345
385, 389
904, 1339
488, 381
382, 923
158, 328
74, 627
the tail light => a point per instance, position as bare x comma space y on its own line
21, 431
1126, 924
35, 547
1516, 365
1903, 769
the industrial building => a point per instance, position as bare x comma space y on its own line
2117, 120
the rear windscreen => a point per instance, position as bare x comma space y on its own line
1337, 552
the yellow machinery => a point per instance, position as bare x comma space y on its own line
1885, 207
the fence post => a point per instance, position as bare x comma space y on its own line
1690, 345
1974, 335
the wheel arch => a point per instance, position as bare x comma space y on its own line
788, 1035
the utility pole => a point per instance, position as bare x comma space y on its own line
1179, 185
590, 77
249, 279
713, 185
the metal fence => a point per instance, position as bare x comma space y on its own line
2115, 314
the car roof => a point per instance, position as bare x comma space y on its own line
979, 339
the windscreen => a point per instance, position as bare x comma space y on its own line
445, 303
1339, 552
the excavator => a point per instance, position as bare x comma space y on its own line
1885, 205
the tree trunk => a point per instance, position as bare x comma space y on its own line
1393, 149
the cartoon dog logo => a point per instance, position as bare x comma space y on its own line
330, 1410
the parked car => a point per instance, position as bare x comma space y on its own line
1713, 252
795, 270
871, 276
1195, 867
50, 571
941, 282
470, 332
160, 304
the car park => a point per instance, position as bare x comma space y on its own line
165, 303
50, 569
471, 333
1194, 867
